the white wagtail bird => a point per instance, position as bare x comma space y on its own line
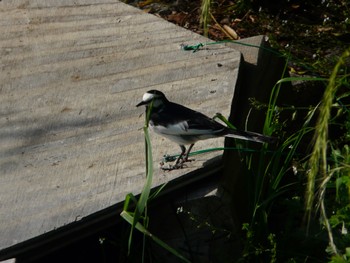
185, 126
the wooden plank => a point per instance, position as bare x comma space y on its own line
71, 74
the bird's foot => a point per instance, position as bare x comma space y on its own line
170, 167
165, 166
187, 160
169, 158
178, 165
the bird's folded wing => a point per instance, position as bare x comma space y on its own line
191, 127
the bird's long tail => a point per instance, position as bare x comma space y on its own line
250, 136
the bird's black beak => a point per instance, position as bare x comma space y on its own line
141, 103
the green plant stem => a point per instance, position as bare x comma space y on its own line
324, 214
204, 18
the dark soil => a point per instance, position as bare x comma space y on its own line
314, 32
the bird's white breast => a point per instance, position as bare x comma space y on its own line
180, 133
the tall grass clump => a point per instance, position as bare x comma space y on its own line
318, 159
326, 161
326, 166
274, 179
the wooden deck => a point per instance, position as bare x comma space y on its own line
71, 73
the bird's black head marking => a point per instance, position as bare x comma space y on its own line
156, 96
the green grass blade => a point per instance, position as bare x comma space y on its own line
141, 204
144, 197
129, 197
205, 17
290, 79
157, 192
128, 218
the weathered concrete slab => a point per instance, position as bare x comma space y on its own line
71, 73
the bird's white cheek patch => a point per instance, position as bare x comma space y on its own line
147, 97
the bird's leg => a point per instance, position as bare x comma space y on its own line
183, 151
178, 163
185, 158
